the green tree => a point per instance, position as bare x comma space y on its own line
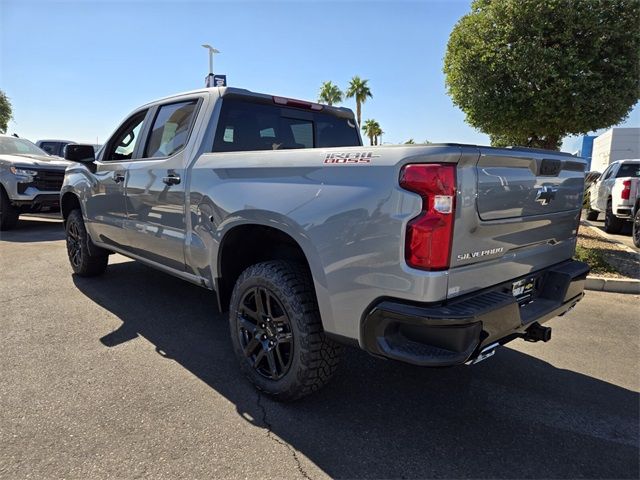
359, 90
411, 141
371, 129
530, 72
377, 139
5, 112
330, 93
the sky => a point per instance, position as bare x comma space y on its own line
74, 69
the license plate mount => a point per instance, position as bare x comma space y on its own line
523, 290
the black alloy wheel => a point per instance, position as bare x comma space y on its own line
265, 334
85, 261
74, 245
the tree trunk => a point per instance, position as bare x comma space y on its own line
371, 140
549, 142
358, 113
552, 142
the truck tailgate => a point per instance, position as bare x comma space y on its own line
517, 212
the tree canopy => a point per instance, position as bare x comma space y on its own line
359, 89
5, 112
372, 130
530, 72
330, 93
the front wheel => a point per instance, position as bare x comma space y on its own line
636, 229
83, 262
8, 213
612, 224
276, 331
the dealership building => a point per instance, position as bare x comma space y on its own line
617, 143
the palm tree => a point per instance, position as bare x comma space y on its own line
359, 89
372, 130
369, 128
329, 93
411, 141
379, 133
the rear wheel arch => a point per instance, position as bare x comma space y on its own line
248, 244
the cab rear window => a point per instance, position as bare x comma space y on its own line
628, 170
246, 126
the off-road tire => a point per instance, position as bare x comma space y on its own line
612, 224
314, 357
82, 261
592, 215
8, 213
635, 233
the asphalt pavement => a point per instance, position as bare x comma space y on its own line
131, 374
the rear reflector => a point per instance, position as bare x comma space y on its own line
626, 190
429, 235
289, 102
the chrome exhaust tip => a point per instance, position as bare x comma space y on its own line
485, 353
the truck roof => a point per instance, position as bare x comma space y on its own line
627, 160
242, 92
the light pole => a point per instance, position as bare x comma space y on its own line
212, 52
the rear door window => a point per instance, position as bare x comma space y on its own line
245, 126
607, 173
170, 130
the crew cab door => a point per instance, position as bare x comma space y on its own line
106, 206
604, 186
155, 186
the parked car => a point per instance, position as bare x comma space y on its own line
54, 147
432, 255
635, 211
612, 194
30, 180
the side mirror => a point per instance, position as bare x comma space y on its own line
80, 153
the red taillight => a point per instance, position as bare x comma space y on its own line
626, 190
429, 235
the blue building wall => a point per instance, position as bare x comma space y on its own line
586, 149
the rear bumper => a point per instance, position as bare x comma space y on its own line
624, 212
456, 331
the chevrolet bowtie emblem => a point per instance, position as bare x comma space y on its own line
546, 194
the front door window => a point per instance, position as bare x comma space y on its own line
124, 142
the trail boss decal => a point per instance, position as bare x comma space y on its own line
350, 157
482, 253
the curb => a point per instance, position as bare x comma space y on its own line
607, 236
615, 285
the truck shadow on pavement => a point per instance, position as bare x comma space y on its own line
513, 416
34, 230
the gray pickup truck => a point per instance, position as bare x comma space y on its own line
30, 180
432, 255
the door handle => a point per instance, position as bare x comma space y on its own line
118, 177
171, 179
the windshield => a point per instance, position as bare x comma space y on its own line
13, 146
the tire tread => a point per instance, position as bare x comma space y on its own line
91, 265
319, 354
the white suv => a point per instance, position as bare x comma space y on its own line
615, 193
